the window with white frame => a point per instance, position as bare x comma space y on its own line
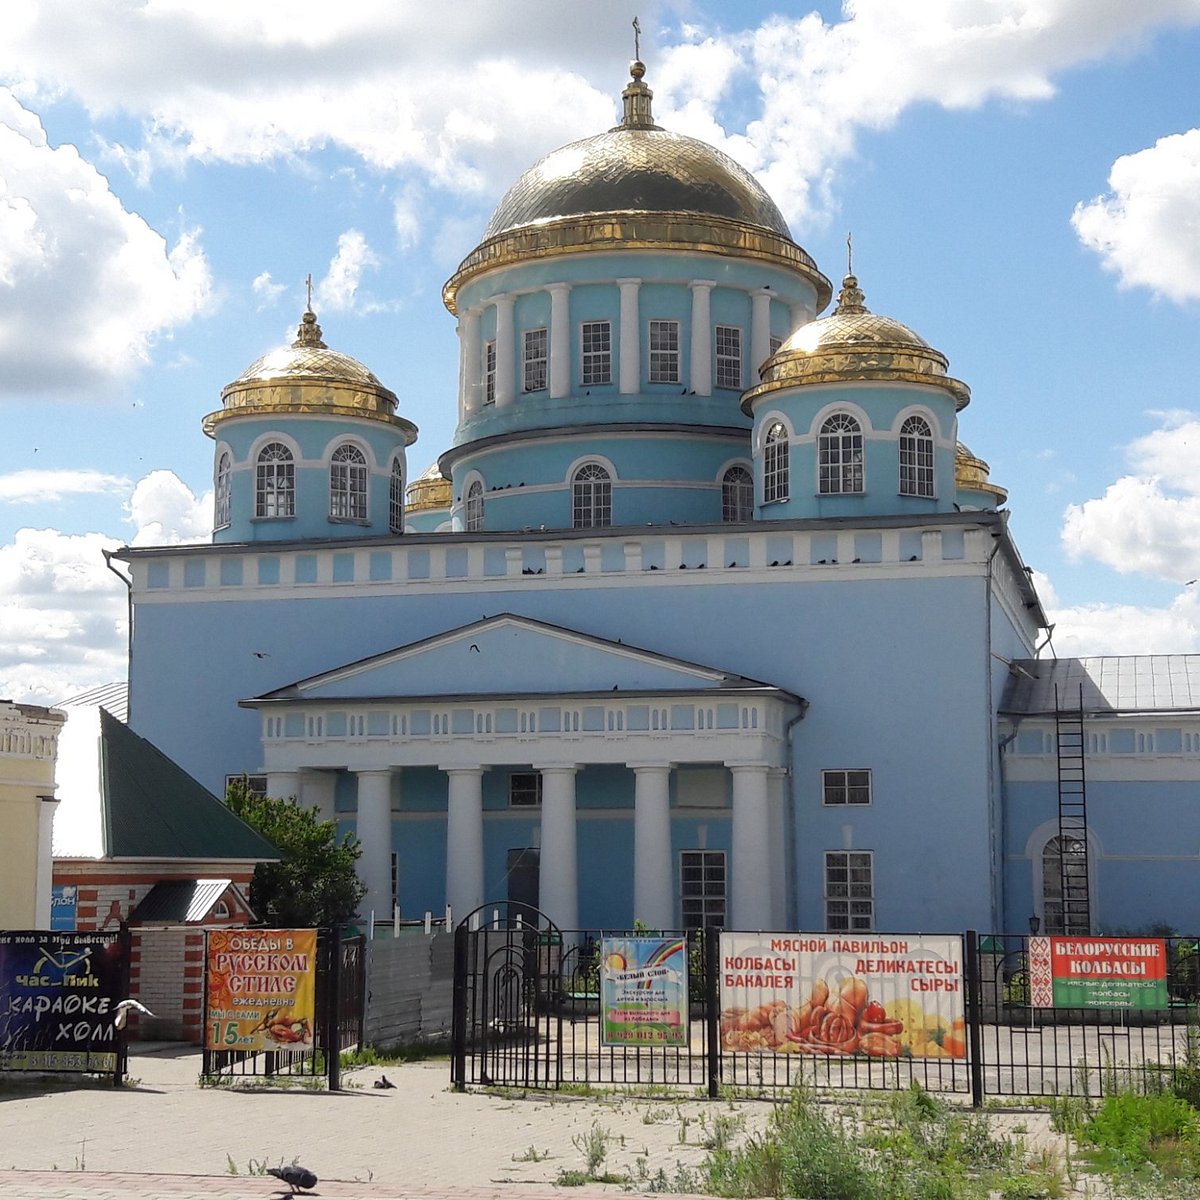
729, 357
775, 464
846, 787
475, 507
596, 361
916, 458
849, 894
275, 482
664, 351
348, 484
489, 373
840, 456
591, 497
221, 492
396, 497
737, 495
535, 360
702, 888
525, 789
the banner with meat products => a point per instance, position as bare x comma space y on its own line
882, 996
261, 989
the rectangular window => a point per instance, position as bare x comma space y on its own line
256, 783
535, 360
729, 357
525, 789
702, 888
845, 787
664, 351
849, 895
489, 373
597, 353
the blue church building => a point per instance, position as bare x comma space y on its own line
707, 615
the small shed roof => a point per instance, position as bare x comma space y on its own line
180, 901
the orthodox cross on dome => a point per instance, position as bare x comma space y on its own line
637, 95
850, 298
309, 333
849, 254
308, 285
637, 40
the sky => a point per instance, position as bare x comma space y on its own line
1021, 178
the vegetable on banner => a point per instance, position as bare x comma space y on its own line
1098, 972
837, 994
644, 991
261, 989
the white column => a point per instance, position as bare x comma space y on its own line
472, 361
800, 316
750, 873
505, 352
760, 331
779, 842
461, 330
560, 340
558, 878
631, 342
317, 790
374, 831
653, 876
45, 862
283, 785
464, 840
701, 375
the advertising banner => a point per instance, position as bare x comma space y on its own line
1097, 972
644, 991
64, 899
58, 998
261, 989
839, 994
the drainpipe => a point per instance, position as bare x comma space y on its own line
108, 556
791, 908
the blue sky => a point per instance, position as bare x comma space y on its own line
1022, 179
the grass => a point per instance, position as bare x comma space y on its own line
369, 1056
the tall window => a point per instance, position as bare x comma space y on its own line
849, 895
664, 351
737, 495
597, 353
845, 787
702, 888
1055, 917
775, 464
275, 482
348, 484
525, 789
729, 357
396, 497
840, 456
591, 497
916, 458
475, 507
489, 373
535, 360
221, 493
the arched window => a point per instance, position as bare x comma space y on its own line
840, 456
221, 492
348, 484
396, 497
275, 482
916, 458
737, 495
1061, 858
591, 497
475, 507
775, 464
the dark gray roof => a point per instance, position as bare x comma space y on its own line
176, 901
1130, 683
112, 696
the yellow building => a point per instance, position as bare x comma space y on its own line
28, 748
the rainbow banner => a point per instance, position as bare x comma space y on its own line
643, 991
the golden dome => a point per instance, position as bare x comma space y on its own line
429, 490
637, 186
971, 474
308, 377
853, 343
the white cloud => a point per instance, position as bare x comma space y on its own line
1147, 229
165, 512
85, 286
48, 487
338, 291
267, 290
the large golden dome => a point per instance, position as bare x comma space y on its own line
853, 343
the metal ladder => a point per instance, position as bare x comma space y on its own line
1072, 816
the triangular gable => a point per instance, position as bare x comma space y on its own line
190, 902
509, 655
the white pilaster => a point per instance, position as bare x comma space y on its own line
464, 840
45, 862
560, 340
461, 330
701, 373
750, 870
653, 876
472, 361
558, 881
760, 331
631, 345
506, 356
778, 839
317, 790
374, 831
283, 785
800, 316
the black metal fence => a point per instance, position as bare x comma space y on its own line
527, 1014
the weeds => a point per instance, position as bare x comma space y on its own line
593, 1145
532, 1155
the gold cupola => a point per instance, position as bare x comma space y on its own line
855, 344
971, 474
308, 377
430, 490
636, 186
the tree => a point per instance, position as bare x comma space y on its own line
314, 883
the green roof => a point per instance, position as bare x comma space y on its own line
153, 808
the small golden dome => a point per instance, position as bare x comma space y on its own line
853, 343
429, 490
971, 474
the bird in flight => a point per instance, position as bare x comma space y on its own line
125, 1007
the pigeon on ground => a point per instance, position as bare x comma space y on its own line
298, 1178
123, 1009
383, 1082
